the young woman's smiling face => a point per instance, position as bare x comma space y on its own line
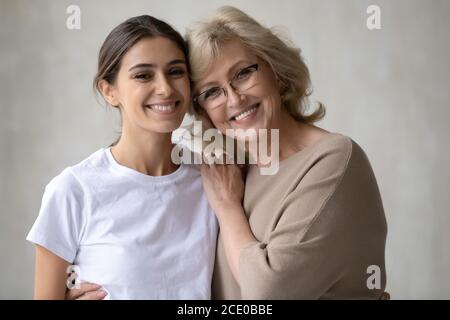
257, 107
152, 87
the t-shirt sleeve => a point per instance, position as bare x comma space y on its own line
59, 224
323, 233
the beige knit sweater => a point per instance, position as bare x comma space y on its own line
320, 224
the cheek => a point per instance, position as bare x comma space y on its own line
183, 87
218, 117
272, 98
269, 90
130, 93
275, 102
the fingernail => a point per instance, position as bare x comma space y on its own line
101, 293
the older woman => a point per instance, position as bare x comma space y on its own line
316, 228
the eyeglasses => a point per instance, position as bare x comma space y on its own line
242, 81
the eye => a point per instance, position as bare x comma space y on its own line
177, 72
212, 93
143, 76
244, 73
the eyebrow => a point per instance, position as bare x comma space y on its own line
232, 68
151, 65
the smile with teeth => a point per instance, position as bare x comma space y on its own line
245, 114
165, 108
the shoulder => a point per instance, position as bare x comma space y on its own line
343, 154
335, 143
338, 151
344, 175
344, 171
73, 180
64, 182
329, 156
93, 163
327, 163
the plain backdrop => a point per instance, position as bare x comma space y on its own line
388, 89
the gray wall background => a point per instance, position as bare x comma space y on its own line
388, 89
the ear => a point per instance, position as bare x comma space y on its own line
109, 92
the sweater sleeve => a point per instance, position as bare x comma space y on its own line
331, 228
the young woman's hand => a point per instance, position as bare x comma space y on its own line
223, 184
87, 291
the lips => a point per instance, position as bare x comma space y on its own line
241, 115
167, 107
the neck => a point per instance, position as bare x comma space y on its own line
145, 152
291, 136
289, 140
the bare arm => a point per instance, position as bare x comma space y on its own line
50, 275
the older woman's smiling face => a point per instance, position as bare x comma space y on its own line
259, 107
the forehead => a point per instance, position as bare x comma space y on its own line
232, 55
155, 50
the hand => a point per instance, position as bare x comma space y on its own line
223, 185
87, 291
385, 296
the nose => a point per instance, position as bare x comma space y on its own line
234, 99
163, 87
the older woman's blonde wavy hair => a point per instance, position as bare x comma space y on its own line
205, 39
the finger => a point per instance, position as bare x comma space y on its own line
385, 296
93, 295
213, 158
205, 158
221, 158
72, 294
84, 287
204, 168
229, 159
89, 286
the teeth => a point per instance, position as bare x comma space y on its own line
163, 107
245, 114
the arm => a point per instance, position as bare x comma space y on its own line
224, 187
330, 229
50, 275
56, 234
236, 234
87, 291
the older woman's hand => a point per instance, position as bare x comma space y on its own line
223, 184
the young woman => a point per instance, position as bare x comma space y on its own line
129, 219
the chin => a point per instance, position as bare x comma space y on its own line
255, 127
162, 126
169, 128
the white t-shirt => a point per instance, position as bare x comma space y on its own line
139, 236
